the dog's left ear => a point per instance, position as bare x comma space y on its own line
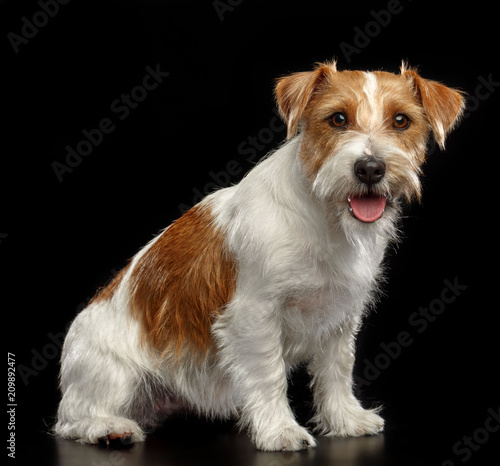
443, 106
294, 92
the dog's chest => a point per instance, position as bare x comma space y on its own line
328, 291
335, 275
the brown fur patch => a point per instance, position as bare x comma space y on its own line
344, 92
340, 92
443, 105
106, 292
309, 99
294, 92
182, 282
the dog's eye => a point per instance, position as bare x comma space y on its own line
339, 119
401, 121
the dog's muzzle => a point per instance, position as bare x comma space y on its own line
368, 207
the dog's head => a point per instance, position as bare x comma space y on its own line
364, 134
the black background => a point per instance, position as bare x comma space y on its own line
60, 240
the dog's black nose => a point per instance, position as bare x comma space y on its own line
369, 171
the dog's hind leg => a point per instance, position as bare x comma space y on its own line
100, 375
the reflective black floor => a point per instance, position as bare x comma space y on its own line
223, 449
217, 448
197, 442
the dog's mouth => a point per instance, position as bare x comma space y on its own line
367, 208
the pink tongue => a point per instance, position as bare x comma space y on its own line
368, 208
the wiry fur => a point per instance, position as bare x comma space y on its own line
288, 267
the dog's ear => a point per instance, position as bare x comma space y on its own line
442, 105
293, 93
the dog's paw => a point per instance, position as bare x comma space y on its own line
368, 422
293, 438
353, 423
110, 431
114, 440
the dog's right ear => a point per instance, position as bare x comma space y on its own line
293, 93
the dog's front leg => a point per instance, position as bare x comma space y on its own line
249, 339
338, 412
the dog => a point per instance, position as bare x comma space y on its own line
276, 271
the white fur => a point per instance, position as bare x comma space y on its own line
307, 270
302, 282
370, 91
